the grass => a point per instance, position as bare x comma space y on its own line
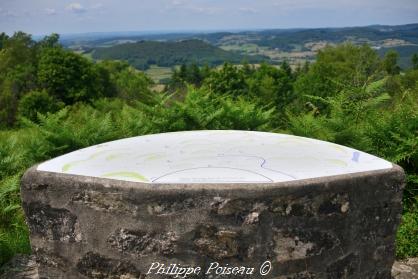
14, 241
14, 234
157, 74
88, 55
247, 48
407, 236
295, 57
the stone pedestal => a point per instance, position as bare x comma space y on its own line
261, 222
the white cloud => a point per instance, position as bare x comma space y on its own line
50, 11
97, 6
206, 10
190, 7
177, 2
323, 4
76, 8
248, 10
8, 13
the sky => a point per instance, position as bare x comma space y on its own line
42, 17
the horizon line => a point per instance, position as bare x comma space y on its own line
216, 30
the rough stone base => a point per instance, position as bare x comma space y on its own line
25, 267
406, 269
332, 227
20, 267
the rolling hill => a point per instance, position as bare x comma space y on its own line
294, 45
143, 54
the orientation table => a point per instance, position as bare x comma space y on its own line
214, 204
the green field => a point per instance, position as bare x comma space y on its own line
158, 74
295, 57
247, 48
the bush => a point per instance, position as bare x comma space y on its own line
69, 77
37, 102
407, 236
14, 233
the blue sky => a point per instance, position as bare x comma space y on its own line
79, 16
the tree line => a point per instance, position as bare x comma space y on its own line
143, 54
41, 77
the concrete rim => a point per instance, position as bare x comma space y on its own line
34, 174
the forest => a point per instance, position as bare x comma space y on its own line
53, 101
167, 54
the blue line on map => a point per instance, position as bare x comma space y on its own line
253, 172
356, 156
264, 161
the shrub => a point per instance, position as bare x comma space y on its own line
407, 236
36, 102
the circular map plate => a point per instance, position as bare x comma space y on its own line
214, 157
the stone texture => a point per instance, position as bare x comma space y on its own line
94, 265
25, 267
406, 269
20, 267
331, 227
142, 243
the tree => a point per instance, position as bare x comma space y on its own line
187, 74
3, 39
125, 82
194, 75
17, 73
337, 68
390, 62
415, 61
133, 85
69, 77
271, 85
247, 69
284, 66
18, 49
50, 41
228, 80
36, 102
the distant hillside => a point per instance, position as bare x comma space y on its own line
368, 34
294, 45
277, 38
405, 54
166, 54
